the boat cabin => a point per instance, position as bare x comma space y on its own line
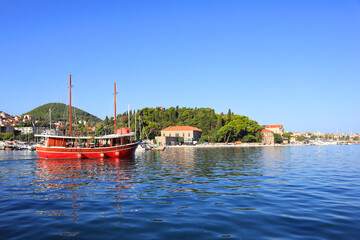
123, 137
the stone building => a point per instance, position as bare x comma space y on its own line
267, 137
276, 129
170, 135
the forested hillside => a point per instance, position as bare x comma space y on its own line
60, 111
216, 127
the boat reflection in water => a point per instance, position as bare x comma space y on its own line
82, 181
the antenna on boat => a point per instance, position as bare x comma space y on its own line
70, 103
115, 106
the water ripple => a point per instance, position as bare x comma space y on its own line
305, 192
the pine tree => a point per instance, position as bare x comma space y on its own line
219, 122
229, 115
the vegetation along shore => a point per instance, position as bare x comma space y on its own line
149, 122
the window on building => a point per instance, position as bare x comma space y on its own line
176, 135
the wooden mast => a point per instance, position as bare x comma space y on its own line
115, 106
70, 103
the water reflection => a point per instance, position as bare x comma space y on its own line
82, 180
242, 193
204, 173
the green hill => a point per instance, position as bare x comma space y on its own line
60, 111
215, 127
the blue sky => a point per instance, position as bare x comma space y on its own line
295, 63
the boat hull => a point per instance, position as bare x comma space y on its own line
103, 152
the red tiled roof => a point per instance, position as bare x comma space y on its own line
182, 128
266, 130
274, 126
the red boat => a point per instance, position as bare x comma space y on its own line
119, 144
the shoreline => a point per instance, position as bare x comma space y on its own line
248, 145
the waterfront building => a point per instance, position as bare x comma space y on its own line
276, 129
29, 117
267, 137
25, 130
4, 115
319, 135
170, 135
308, 134
17, 118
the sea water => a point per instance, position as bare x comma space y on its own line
292, 192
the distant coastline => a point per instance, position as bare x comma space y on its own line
231, 145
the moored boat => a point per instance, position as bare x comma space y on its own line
115, 145
119, 144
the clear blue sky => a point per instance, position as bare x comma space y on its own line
295, 63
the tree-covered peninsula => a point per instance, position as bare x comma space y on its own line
149, 122
215, 127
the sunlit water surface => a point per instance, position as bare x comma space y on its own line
300, 192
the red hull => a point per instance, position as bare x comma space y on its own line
103, 152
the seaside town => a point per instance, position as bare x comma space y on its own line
180, 120
17, 132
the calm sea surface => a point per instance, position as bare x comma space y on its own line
299, 192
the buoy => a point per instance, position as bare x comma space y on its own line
102, 155
79, 155
117, 154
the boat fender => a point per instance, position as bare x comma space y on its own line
117, 154
102, 155
79, 155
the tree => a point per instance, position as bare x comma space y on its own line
249, 138
229, 115
154, 120
225, 133
287, 135
219, 122
8, 136
238, 128
106, 121
277, 138
153, 129
300, 138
